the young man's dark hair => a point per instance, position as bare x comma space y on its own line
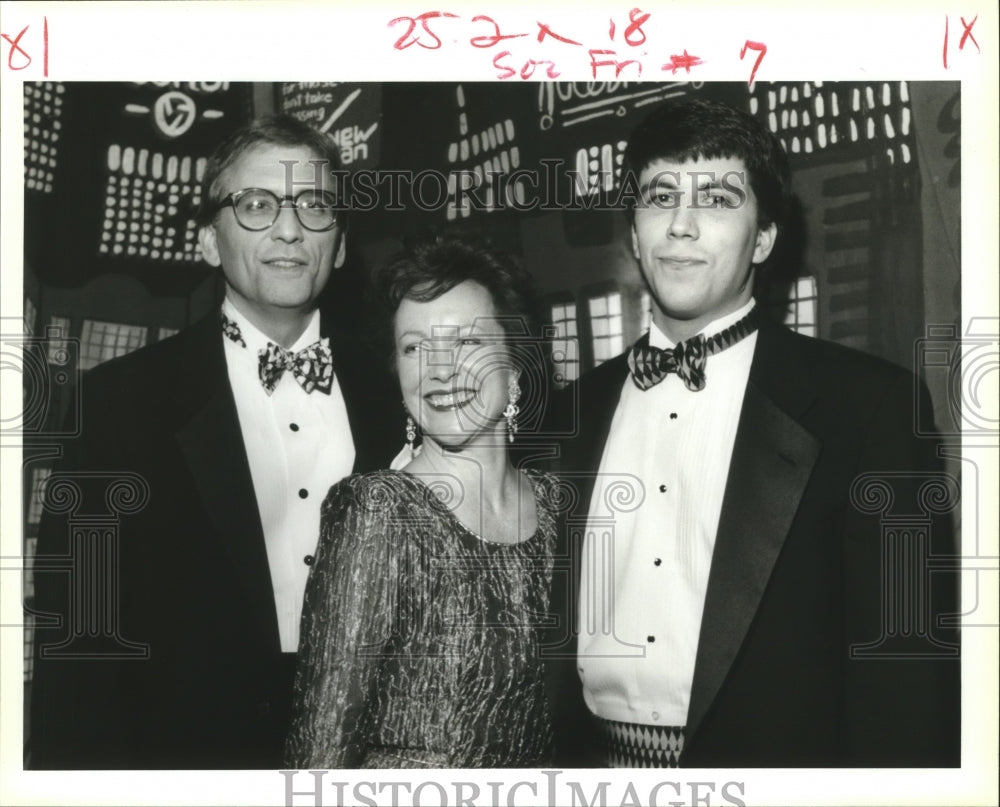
696, 128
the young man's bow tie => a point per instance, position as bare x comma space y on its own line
650, 365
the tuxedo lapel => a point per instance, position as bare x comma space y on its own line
211, 443
772, 460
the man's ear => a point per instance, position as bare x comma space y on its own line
209, 245
341, 251
766, 237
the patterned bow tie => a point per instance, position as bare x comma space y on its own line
650, 365
312, 366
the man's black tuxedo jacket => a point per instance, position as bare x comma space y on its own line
190, 569
799, 572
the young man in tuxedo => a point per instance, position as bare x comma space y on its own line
730, 612
211, 453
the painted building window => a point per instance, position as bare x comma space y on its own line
106, 340
565, 347
38, 479
43, 109
56, 334
811, 117
800, 308
605, 312
30, 316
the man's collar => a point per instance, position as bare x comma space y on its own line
257, 340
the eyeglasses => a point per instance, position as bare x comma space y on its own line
258, 208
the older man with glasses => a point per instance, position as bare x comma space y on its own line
237, 426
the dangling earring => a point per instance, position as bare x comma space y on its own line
411, 432
512, 410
